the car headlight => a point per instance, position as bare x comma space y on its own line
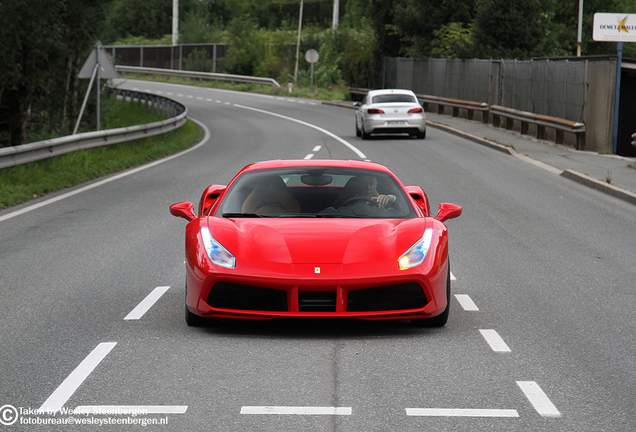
416, 254
215, 250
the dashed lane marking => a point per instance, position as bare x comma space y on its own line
126, 409
494, 340
147, 303
461, 412
326, 132
59, 397
538, 399
296, 410
466, 302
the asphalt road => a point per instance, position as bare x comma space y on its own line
540, 336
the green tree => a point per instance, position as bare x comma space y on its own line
453, 41
246, 47
508, 28
42, 44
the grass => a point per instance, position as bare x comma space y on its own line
22, 183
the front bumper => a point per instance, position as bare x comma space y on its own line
407, 295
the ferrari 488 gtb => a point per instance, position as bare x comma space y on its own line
318, 239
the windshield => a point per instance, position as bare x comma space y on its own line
316, 192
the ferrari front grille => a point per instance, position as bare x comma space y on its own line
225, 295
387, 298
309, 301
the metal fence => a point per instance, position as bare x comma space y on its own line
554, 88
549, 87
166, 56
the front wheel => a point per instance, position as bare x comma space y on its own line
193, 320
441, 319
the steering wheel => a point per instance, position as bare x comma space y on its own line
353, 199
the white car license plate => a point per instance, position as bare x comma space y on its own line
396, 123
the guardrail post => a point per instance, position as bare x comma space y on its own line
496, 120
509, 123
540, 132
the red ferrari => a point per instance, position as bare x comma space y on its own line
317, 239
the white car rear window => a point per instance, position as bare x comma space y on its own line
391, 98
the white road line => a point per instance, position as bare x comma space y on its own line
296, 410
59, 397
453, 276
317, 148
494, 340
309, 156
467, 303
461, 412
127, 409
538, 399
147, 303
326, 132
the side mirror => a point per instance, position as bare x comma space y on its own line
357, 104
419, 196
209, 197
448, 211
183, 210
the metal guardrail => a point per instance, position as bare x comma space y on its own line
456, 105
495, 113
541, 121
441, 102
12, 156
198, 75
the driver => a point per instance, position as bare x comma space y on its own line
365, 186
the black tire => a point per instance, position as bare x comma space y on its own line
363, 134
441, 319
421, 135
191, 319
358, 133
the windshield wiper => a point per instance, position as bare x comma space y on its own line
241, 215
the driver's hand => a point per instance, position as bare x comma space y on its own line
385, 200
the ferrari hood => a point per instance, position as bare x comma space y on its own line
312, 241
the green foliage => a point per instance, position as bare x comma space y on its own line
42, 46
142, 40
198, 61
508, 28
246, 47
453, 41
148, 18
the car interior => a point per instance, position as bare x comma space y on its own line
326, 192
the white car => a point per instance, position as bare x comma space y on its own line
390, 111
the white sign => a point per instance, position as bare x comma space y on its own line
614, 27
312, 56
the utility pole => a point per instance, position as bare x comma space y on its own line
175, 22
336, 14
580, 32
300, 27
